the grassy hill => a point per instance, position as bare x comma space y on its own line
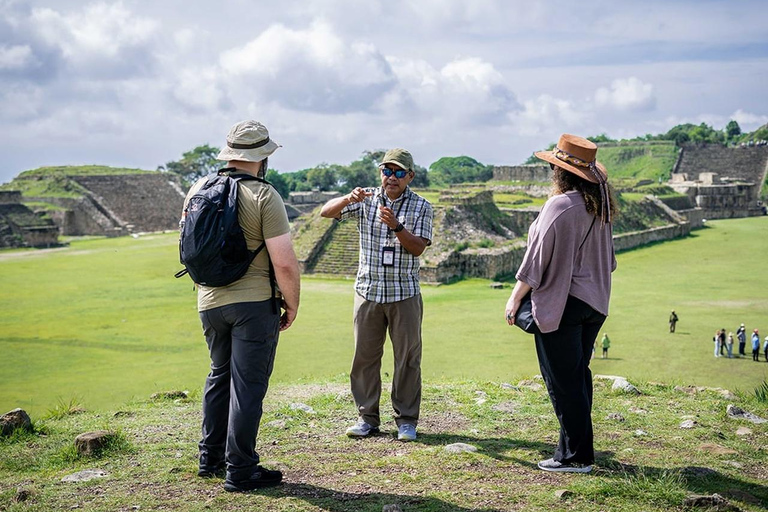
638, 160
56, 182
654, 451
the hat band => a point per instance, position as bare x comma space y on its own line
571, 159
564, 156
255, 145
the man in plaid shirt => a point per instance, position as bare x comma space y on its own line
395, 226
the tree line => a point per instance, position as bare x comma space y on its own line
363, 172
446, 171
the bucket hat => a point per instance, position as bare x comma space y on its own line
248, 141
577, 155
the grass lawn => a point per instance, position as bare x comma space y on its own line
103, 321
646, 460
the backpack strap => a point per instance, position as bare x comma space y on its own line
272, 279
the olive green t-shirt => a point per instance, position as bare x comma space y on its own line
262, 215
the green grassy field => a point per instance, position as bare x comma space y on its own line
103, 321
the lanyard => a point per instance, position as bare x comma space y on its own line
397, 214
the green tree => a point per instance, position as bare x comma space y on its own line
600, 138
363, 172
194, 164
459, 169
323, 177
732, 130
279, 182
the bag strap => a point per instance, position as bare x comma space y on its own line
588, 232
272, 279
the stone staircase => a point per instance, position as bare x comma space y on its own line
746, 164
340, 253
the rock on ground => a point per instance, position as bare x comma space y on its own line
460, 448
15, 419
90, 443
85, 475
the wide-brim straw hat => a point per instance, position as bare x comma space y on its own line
577, 155
248, 141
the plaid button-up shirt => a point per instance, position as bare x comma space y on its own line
376, 282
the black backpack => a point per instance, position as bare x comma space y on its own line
212, 244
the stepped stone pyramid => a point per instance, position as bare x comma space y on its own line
340, 255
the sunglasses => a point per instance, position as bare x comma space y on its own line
399, 174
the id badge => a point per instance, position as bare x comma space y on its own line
388, 256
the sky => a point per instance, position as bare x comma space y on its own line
136, 83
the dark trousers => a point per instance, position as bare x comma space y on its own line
564, 361
755, 354
242, 340
741, 348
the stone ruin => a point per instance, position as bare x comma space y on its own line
116, 204
535, 172
21, 227
724, 182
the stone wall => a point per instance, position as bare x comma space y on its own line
311, 198
522, 173
10, 197
486, 263
626, 241
136, 202
21, 227
466, 199
743, 164
724, 182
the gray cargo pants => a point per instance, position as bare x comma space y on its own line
242, 340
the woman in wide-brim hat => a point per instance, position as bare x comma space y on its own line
567, 267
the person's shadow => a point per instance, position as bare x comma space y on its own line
342, 501
695, 479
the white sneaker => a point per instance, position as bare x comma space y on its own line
553, 465
362, 429
406, 432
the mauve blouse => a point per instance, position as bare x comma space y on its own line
555, 266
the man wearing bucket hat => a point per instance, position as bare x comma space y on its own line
567, 267
395, 226
240, 324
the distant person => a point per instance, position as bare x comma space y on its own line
568, 266
765, 349
395, 226
606, 343
722, 341
241, 321
755, 345
716, 339
672, 321
729, 345
741, 334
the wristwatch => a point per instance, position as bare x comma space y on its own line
399, 227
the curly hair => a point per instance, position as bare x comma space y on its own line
564, 181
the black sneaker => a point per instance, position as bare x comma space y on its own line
206, 470
572, 467
261, 477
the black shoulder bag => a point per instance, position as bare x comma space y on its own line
524, 314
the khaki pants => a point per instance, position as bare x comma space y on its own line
371, 321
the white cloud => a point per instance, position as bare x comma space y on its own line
100, 34
15, 57
469, 89
312, 69
627, 94
199, 89
748, 121
544, 112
